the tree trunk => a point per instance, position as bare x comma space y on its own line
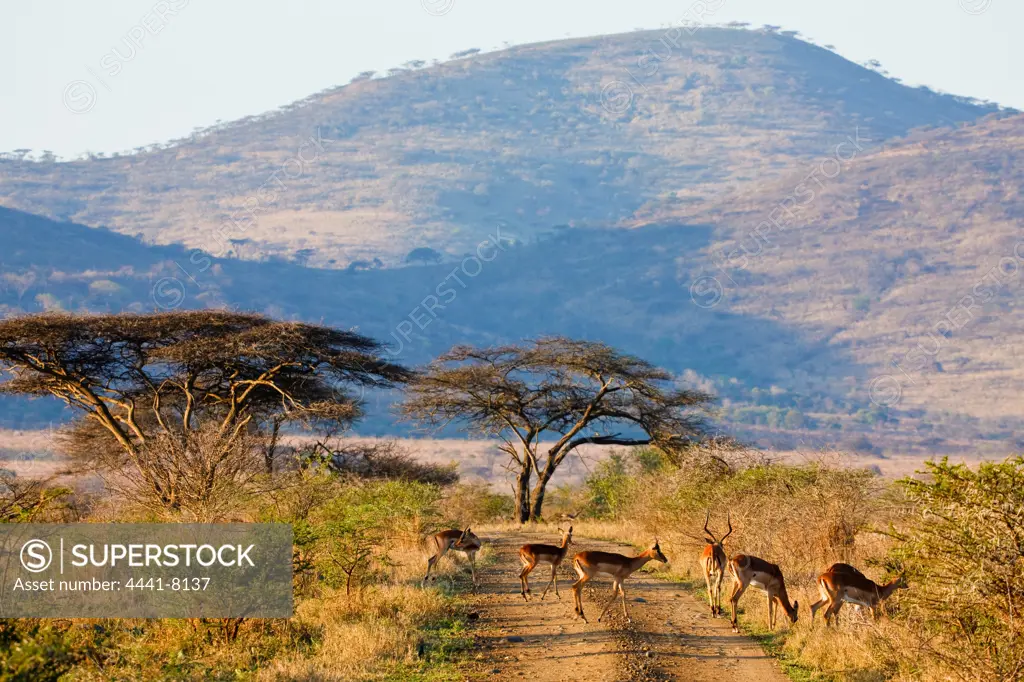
523, 491
270, 448
538, 491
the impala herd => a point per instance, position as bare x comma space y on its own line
840, 584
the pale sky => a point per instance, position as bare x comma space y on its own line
215, 60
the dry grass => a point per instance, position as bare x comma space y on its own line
378, 629
382, 628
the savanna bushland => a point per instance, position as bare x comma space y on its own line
765, 240
181, 416
185, 417
953, 532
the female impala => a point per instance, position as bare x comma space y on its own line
844, 583
533, 554
459, 540
749, 570
712, 563
617, 566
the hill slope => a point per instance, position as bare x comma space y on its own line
530, 138
793, 324
912, 257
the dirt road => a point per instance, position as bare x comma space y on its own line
672, 636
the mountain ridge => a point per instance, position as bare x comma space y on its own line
408, 161
671, 229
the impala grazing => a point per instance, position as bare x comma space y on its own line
533, 554
844, 583
749, 570
459, 540
712, 563
618, 567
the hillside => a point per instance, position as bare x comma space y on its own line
648, 226
796, 339
531, 138
910, 258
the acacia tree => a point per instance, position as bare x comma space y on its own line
547, 397
175, 400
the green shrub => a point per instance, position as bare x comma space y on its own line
32, 653
608, 487
964, 557
359, 527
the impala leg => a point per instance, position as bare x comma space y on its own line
438, 554
717, 608
828, 612
577, 592
554, 567
524, 583
711, 594
815, 606
625, 613
615, 592
472, 566
832, 612
430, 564
771, 621
738, 589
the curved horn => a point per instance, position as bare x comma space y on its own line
730, 529
707, 517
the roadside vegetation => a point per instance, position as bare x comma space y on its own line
953, 531
183, 416
360, 611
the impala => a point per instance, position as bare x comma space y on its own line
749, 570
461, 541
844, 583
533, 554
834, 568
712, 563
618, 567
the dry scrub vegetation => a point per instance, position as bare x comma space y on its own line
360, 611
955, 532
185, 418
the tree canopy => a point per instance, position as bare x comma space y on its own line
547, 397
167, 377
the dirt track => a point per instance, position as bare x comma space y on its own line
672, 636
